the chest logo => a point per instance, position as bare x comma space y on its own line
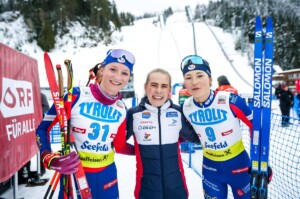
208, 116
100, 112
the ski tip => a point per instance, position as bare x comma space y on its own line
58, 66
47, 59
46, 55
258, 23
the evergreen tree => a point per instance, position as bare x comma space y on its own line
115, 17
46, 41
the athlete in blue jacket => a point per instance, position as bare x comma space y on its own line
156, 124
98, 122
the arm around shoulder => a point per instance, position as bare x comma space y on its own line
187, 131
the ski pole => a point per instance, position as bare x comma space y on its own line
53, 181
50, 184
55, 185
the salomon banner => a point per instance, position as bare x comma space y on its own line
20, 110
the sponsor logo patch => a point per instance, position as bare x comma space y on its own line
78, 130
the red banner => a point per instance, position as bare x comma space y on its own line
20, 110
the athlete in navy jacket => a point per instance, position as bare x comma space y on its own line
156, 124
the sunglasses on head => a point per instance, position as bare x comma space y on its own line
120, 53
191, 59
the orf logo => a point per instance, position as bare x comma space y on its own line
16, 98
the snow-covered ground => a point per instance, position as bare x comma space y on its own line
153, 47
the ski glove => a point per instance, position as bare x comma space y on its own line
66, 164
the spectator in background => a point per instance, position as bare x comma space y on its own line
182, 95
224, 85
297, 104
285, 103
45, 109
45, 104
278, 91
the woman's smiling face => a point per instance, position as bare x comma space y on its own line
114, 77
198, 84
158, 88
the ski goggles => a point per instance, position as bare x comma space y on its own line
194, 62
120, 56
120, 53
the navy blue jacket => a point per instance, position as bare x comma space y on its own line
156, 132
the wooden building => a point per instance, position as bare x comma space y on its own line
288, 77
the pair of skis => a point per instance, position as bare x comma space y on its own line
262, 100
63, 111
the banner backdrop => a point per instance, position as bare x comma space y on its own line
20, 110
